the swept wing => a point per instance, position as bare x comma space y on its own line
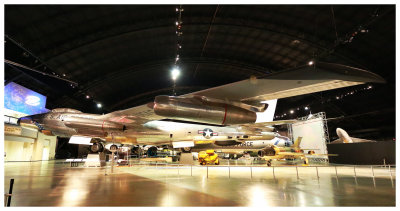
297, 81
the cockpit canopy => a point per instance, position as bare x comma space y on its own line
65, 110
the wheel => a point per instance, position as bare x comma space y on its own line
97, 147
135, 150
269, 163
152, 152
186, 149
113, 148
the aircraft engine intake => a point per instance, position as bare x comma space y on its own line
194, 109
267, 151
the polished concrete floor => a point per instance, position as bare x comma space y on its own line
56, 184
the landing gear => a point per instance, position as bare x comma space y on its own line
97, 147
305, 161
269, 163
152, 152
186, 149
135, 151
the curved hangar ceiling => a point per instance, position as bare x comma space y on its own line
121, 55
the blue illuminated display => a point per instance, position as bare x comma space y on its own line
21, 99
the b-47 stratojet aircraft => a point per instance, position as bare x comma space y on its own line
237, 112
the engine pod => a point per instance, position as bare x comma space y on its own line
190, 109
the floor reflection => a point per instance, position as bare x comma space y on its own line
51, 184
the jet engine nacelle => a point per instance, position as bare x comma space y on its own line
198, 110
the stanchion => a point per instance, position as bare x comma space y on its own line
10, 192
112, 162
373, 175
297, 172
337, 179
273, 171
229, 168
355, 175
207, 171
316, 167
391, 177
251, 173
178, 169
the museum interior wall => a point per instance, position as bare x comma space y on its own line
26, 144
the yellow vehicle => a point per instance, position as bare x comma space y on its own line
208, 157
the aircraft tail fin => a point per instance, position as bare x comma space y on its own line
297, 142
268, 114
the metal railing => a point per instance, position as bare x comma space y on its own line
357, 171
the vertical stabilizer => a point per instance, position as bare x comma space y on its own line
343, 136
268, 114
297, 142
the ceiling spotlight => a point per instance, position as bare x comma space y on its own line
175, 73
369, 87
176, 23
306, 108
87, 96
291, 111
98, 105
310, 62
64, 74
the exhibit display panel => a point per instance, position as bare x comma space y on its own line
20, 99
313, 133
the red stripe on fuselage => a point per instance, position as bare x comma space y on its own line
226, 108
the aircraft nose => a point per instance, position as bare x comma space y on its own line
25, 120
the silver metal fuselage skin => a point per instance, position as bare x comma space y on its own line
67, 124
